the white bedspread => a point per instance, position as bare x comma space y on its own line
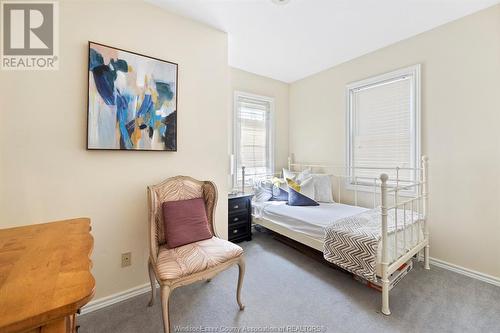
312, 221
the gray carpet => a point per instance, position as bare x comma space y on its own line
285, 287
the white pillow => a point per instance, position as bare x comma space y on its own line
322, 188
297, 176
305, 174
307, 188
263, 191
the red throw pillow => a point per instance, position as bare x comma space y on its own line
185, 222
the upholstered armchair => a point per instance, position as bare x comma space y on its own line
192, 262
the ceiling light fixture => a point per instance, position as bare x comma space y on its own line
280, 2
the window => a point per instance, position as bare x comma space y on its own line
383, 115
253, 136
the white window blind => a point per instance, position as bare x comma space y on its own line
384, 125
253, 137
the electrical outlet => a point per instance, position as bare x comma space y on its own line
126, 259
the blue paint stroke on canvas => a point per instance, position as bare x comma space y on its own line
132, 101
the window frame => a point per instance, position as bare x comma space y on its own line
236, 137
376, 80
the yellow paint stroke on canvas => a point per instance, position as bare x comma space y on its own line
137, 134
117, 131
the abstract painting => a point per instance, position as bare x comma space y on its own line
132, 101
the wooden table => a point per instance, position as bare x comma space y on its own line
45, 275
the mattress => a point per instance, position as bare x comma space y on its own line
312, 220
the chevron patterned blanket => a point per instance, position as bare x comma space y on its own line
352, 242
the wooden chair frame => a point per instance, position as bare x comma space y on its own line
182, 188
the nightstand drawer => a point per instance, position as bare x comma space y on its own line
238, 204
238, 217
239, 220
240, 230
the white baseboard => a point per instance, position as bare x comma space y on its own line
115, 298
145, 288
465, 271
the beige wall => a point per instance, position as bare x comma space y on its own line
48, 175
460, 129
260, 85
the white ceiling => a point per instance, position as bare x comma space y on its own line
292, 41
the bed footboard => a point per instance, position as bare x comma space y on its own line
416, 205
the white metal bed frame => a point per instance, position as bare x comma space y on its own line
385, 187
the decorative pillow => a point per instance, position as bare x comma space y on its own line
185, 222
298, 199
293, 184
297, 176
287, 174
263, 190
279, 194
279, 190
306, 187
303, 175
278, 182
323, 188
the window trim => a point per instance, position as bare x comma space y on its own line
235, 145
414, 71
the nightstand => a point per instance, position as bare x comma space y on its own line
240, 217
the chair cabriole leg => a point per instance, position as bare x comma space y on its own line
165, 294
152, 279
241, 275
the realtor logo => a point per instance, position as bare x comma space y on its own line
30, 35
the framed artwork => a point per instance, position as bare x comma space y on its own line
132, 101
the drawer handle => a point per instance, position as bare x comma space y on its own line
235, 219
236, 207
235, 231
